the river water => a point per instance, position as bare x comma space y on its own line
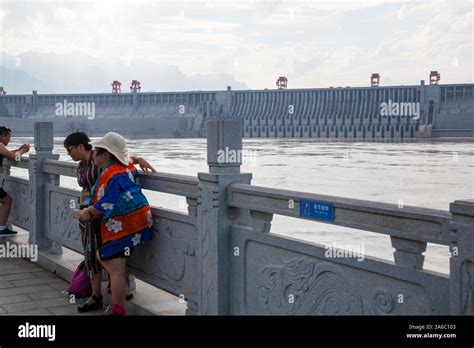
428, 175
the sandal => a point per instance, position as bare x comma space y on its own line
115, 310
86, 307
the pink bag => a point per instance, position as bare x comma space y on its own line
80, 284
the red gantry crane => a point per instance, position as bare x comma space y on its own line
434, 77
116, 86
375, 80
282, 82
136, 86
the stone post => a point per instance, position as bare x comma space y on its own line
461, 290
43, 133
224, 157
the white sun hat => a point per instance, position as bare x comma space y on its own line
115, 144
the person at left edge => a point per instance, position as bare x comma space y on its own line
5, 199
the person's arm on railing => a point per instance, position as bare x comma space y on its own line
14, 155
144, 165
17, 149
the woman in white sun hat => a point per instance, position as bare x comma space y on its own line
126, 218
80, 150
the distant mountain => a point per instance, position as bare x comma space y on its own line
79, 73
19, 82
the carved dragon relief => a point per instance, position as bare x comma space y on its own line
63, 226
301, 286
164, 257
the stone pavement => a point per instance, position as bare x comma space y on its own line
36, 288
28, 289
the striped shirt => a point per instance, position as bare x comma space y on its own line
87, 174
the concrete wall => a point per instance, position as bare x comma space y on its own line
449, 109
454, 111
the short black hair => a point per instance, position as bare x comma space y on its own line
101, 150
76, 139
4, 130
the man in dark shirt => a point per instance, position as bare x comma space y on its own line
5, 198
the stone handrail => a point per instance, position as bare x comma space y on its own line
414, 223
176, 184
22, 163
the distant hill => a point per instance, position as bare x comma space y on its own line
79, 73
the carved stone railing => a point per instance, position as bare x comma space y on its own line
246, 269
410, 228
283, 276
223, 259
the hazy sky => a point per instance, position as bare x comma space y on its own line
313, 43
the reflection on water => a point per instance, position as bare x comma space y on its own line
429, 175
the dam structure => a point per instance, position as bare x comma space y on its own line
388, 113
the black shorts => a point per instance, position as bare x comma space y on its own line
3, 194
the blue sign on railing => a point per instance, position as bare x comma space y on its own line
317, 210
